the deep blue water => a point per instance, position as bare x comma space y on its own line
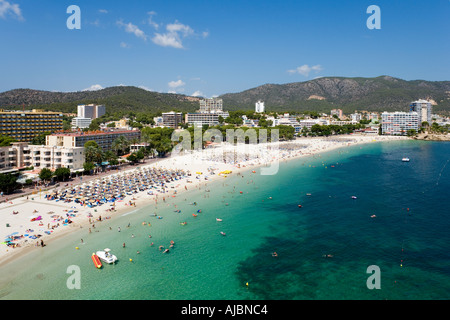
408, 239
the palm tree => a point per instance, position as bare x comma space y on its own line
120, 145
93, 154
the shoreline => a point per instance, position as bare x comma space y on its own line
240, 159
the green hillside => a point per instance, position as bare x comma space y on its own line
115, 99
382, 93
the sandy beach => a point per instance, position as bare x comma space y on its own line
27, 221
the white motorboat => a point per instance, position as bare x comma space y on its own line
405, 159
106, 256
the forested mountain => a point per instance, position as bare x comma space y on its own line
115, 99
349, 94
382, 93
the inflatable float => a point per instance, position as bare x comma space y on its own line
96, 260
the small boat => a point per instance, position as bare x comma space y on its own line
166, 251
96, 260
222, 233
373, 216
183, 223
106, 256
405, 159
194, 215
308, 194
219, 220
354, 197
299, 205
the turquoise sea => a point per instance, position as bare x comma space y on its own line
408, 239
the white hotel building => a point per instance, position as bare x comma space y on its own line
21, 155
398, 123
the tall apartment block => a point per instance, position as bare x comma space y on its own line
423, 109
91, 111
210, 110
213, 105
259, 107
172, 119
26, 125
337, 112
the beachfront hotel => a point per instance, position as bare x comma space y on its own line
23, 126
398, 123
104, 139
21, 155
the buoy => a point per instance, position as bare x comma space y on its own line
131, 260
77, 248
299, 205
240, 192
246, 284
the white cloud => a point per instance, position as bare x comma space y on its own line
179, 27
150, 20
167, 40
176, 32
124, 45
131, 28
171, 91
103, 11
94, 87
305, 69
146, 88
176, 84
197, 93
12, 9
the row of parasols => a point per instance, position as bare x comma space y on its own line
117, 186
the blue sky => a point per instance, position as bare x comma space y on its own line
214, 47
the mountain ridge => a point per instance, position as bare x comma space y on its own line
383, 93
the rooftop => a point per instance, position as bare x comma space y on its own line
92, 133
